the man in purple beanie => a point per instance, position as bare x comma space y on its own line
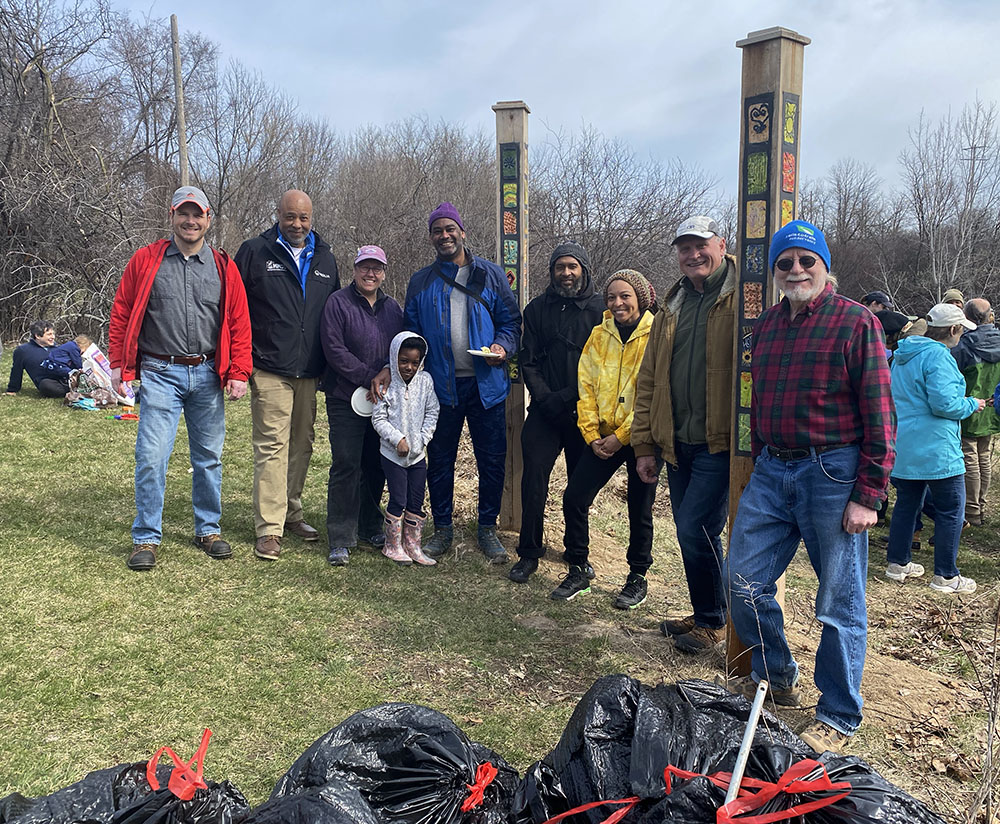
462, 304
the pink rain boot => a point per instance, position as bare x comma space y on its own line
393, 549
413, 526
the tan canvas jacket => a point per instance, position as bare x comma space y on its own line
653, 424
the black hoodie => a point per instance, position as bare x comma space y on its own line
555, 331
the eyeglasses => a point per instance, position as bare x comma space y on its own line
786, 264
371, 270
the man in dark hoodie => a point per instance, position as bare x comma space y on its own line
556, 326
978, 357
289, 272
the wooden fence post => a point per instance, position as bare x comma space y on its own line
771, 110
512, 255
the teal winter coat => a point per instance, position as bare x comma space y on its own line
929, 393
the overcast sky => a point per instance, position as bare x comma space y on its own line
661, 75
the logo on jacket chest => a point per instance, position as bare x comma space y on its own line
320, 274
275, 266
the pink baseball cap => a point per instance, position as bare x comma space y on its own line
370, 253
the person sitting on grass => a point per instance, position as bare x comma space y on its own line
405, 418
28, 357
66, 358
929, 392
607, 376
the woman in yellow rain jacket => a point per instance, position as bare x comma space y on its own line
608, 368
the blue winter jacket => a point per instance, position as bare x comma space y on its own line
929, 393
428, 312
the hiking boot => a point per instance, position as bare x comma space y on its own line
953, 586
338, 556
747, 687
899, 572
142, 558
213, 546
490, 544
377, 540
700, 639
522, 570
633, 593
413, 527
268, 547
591, 575
575, 582
673, 627
302, 530
393, 549
440, 541
824, 738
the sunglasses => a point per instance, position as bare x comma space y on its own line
786, 264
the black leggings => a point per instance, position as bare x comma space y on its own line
406, 486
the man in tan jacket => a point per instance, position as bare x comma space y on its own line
683, 406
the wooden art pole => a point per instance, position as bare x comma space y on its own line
179, 99
512, 255
769, 183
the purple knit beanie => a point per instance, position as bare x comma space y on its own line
445, 210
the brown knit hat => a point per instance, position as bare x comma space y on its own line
644, 292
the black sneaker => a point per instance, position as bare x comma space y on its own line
574, 582
490, 544
522, 570
633, 593
587, 568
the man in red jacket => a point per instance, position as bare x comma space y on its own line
180, 314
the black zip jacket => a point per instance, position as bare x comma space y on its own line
285, 326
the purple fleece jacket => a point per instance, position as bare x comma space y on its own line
356, 338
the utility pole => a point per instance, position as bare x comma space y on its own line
179, 100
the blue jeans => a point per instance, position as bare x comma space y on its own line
699, 498
783, 504
949, 512
488, 430
166, 392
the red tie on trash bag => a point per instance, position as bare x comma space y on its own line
183, 781
791, 781
485, 773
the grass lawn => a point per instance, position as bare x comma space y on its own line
100, 665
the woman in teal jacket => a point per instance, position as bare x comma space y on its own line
929, 393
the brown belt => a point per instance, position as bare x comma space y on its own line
182, 360
802, 452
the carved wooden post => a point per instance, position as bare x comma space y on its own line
769, 184
512, 255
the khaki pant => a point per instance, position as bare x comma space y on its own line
977, 454
284, 413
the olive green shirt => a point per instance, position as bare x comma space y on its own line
687, 362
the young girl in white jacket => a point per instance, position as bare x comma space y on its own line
405, 419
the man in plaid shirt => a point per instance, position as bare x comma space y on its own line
824, 427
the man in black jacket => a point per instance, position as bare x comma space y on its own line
556, 326
289, 272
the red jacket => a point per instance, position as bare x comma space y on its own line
233, 359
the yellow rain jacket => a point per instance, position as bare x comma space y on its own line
607, 374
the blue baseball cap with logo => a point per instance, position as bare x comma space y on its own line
799, 234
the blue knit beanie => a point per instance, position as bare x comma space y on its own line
798, 234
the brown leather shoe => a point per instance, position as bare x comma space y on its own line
700, 639
677, 626
302, 530
824, 738
143, 557
268, 548
213, 546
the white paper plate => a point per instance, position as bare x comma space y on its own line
360, 403
479, 353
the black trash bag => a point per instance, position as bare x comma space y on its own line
590, 762
217, 804
410, 763
94, 798
697, 726
331, 804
